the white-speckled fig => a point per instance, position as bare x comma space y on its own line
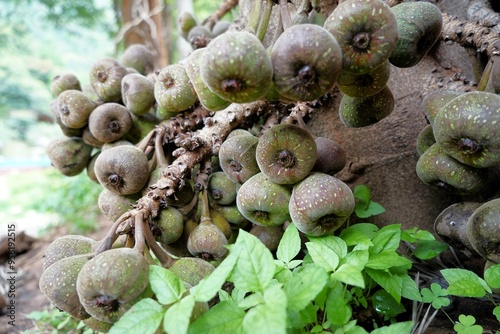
74, 108
364, 85
173, 90
110, 122
320, 204
106, 75
264, 202
483, 230
221, 189
69, 155
65, 81
67, 246
138, 93
425, 139
306, 62
113, 205
435, 100
138, 57
286, 153
168, 227
467, 128
237, 157
191, 269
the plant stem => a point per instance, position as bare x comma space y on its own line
286, 19
140, 243
111, 236
165, 259
264, 22
481, 86
159, 153
253, 21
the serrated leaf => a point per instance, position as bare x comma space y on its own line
464, 283
349, 274
289, 245
323, 256
387, 239
270, 316
492, 276
304, 285
208, 287
360, 233
386, 260
397, 328
177, 317
338, 310
144, 317
254, 267
333, 242
224, 317
167, 287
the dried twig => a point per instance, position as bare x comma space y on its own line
224, 8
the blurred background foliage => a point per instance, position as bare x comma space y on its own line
40, 39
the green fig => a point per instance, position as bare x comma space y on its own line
173, 91
68, 132
221, 189
113, 205
237, 157
106, 75
236, 67
169, 225
270, 236
419, 26
69, 156
320, 204
110, 122
467, 129
199, 37
364, 85
306, 62
185, 22
139, 57
435, 100
65, 81
67, 246
483, 230
207, 241
191, 269
286, 153
437, 169
425, 139
75, 108
138, 93
366, 31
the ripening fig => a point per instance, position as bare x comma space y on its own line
112, 281
221, 189
185, 22
113, 205
236, 67
270, 236
68, 132
168, 227
69, 155
138, 93
74, 108
434, 101
191, 269
367, 84
320, 204
139, 57
425, 139
438, 169
65, 81
366, 31
286, 153
121, 169
467, 129
106, 75
173, 91
207, 241
264, 202
419, 26
306, 62
331, 157
237, 157
483, 230
67, 246
110, 122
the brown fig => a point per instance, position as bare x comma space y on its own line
137, 93
74, 107
106, 75
69, 155
109, 122
65, 81
138, 57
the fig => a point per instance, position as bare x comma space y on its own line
270, 236
434, 101
264, 202
67, 246
366, 31
89, 138
138, 57
97, 325
483, 230
106, 75
364, 85
237, 157
199, 37
74, 108
65, 81
208, 99
207, 241
236, 67
439, 170
138, 93
331, 157
111, 282
58, 284
121, 142
70, 155
169, 225
109, 122
90, 167
221, 189
173, 91
68, 132
358, 112
232, 215
113, 205
306, 62
221, 222
120, 169
467, 128
419, 26
286, 153
141, 126
191, 269
451, 226
425, 139
320, 204
185, 22
220, 27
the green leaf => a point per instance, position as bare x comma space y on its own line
144, 317
360, 233
224, 317
357, 258
304, 285
270, 316
390, 282
323, 256
436, 295
386, 260
363, 194
251, 300
302, 318
466, 325
167, 287
496, 312
334, 243
177, 317
224, 295
385, 304
372, 209
282, 274
492, 275
428, 249
387, 238
208, 287
338, 310
410, 288
464, 283
349, 274
289, 245
254, 268
397, 328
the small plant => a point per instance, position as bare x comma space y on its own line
51, 320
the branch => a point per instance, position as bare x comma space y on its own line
470, 35
223, 9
